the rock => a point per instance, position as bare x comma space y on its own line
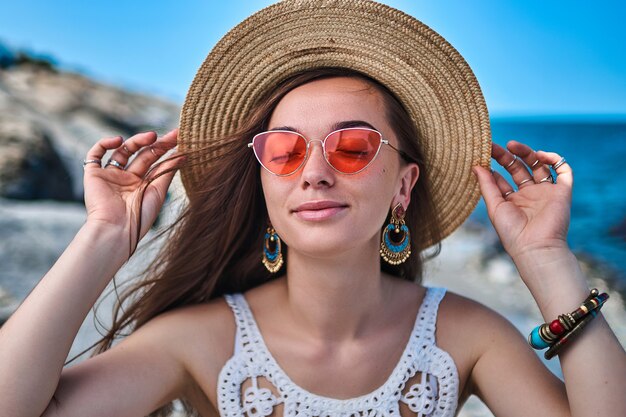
66, 114
8, 305
33, 236
124, 111
30, 168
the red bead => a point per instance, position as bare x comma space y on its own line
556, 327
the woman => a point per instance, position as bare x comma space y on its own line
323, 325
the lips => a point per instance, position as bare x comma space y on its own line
318, 205
316, 211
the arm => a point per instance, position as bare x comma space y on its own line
143, 372
505, 373
532, 224
36, 340
594, 364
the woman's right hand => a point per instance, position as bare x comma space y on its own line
111, 192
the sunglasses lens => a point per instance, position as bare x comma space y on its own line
280, 152
351, 150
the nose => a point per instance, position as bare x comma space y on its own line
316, 171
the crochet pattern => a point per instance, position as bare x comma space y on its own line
433, 392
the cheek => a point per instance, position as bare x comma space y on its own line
269, 190
380, 178
382, 188
376, 192
274, 192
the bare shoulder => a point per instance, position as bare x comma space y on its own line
466, 322
201, 337
458, 312
210, 323
175, 354
210, 332
467, 329
494, 360
213, 319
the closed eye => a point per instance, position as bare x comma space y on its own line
352, 152
286, 157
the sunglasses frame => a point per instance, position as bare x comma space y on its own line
308, 143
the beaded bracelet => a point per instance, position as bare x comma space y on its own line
563, 329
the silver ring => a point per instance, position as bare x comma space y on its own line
92, 161
534, 164
114, 163
505, 195
558, 164
153, 152
524, 182
548, 178
512, 162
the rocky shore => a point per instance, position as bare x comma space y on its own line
48, 120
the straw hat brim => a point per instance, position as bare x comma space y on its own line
429, 76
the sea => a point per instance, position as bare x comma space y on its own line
595, 148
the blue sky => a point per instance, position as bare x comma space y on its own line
531, 57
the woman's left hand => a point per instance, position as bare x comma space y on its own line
536, 216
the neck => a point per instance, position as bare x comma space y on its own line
333, 299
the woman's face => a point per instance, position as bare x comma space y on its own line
365, 198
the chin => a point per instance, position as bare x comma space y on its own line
321, 243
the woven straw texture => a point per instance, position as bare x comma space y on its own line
426, 73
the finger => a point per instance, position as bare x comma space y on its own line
529, 157
150, 154
156, 192
513, 164
505, 188
123, 152
161, 184
564, 173
97, 151
492, 194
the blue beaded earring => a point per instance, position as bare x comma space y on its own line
272, 255
395, 245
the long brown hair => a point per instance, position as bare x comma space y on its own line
214, 246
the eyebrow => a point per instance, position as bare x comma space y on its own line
339, 125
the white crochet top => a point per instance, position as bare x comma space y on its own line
251, 383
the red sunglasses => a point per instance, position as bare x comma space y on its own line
350, 150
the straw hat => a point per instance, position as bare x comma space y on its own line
422, 69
